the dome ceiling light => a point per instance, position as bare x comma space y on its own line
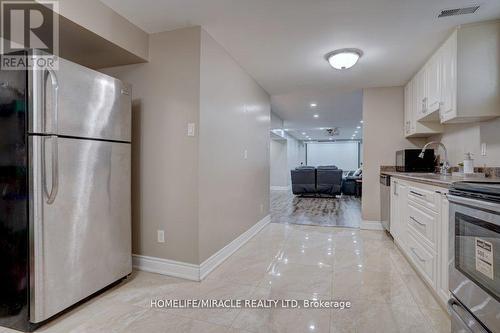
343, 58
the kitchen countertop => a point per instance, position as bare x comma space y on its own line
438, 179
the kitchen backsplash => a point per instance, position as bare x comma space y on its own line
463, 138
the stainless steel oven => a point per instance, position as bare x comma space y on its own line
474, 265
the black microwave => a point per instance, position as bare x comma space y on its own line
408, 160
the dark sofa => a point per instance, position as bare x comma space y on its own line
304, 180
349, 182
309, 180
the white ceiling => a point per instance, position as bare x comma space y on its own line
282, 43
335, 109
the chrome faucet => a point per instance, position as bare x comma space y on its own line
446, 164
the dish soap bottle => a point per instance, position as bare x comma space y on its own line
468, 164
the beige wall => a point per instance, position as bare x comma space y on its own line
296, 151
103, 21
165, 95
463, 138
279, 164
295, 154
383, 119
234, 117
200, 190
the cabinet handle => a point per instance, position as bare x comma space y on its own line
416, 193
417, 255
415, 220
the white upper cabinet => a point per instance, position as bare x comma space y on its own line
416, 108
478, 73
421, 93
448, 108
432, 98
460, 83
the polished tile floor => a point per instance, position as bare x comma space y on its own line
281, 262
341, 211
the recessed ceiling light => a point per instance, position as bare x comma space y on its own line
313, 105
303, 133
359, 127
343, 58
316, 116
330, 139
355, 132
361, 121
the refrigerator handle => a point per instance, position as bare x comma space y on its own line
51, 195
49, 73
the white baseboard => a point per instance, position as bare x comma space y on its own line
174, 268
217, 258
280, 188
372, 225
191, 271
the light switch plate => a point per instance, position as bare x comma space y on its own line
161, 236
191, 129
483, 149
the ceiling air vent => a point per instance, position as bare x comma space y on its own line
458, 11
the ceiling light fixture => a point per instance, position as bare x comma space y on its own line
316, 116
343, 58
361, 121
359, 127
313, 105
303, 133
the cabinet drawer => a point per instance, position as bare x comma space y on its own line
423, 258
424, 222
424, 197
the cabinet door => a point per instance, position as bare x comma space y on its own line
403, 212
408, 103
413, 105
443, 250
448, 109
433, 83
399, 203
420, 91
395, 207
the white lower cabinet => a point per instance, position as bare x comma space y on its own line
444, 250
422, 257
419, 225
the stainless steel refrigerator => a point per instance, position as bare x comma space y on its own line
65, 189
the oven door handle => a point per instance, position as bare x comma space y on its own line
464, 318
480, 204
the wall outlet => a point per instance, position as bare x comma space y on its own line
161, 236
245, 154
483, 149
191, 129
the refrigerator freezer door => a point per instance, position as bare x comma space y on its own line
76, 101
81, 242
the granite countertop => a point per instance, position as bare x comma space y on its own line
438, 179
